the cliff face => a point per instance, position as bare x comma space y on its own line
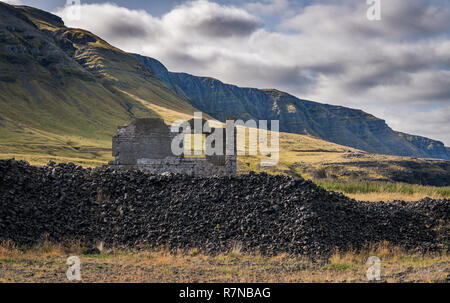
435, 149
337, 124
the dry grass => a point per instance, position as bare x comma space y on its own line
47, 263
385, 191
389, 197
42, 159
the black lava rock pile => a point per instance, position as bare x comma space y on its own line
271, 214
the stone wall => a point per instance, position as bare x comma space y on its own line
146, 145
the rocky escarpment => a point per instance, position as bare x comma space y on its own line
271, 214
337, 124
435, 149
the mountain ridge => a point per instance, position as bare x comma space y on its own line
338, 124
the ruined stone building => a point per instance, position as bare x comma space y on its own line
146, 145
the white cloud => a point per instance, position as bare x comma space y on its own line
13, 2
211, 20
400, 20
267, 7
119, 25
397, 68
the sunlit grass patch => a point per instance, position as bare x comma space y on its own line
385, 191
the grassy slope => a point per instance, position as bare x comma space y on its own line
69, 119
63, 90
112, 66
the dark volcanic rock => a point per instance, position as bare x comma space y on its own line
271, 214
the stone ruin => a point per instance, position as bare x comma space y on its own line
146, 145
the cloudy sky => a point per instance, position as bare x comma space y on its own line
328, 51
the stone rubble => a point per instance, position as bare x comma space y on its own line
257, 212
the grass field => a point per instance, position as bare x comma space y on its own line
47, 263
385, 191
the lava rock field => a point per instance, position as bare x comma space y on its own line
257, 212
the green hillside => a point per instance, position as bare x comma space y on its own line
62, 90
